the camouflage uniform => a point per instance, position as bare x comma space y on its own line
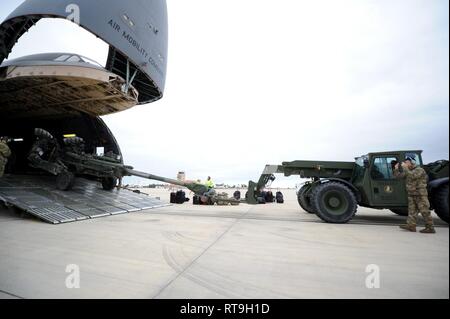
416, 180
5, 152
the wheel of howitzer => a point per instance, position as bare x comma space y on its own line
400, 211
65, 181
305, 201
440, 202
334, 202
108, 183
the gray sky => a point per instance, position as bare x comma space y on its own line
255, 82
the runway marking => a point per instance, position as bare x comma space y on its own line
237, 219
393, 223
356, 221
10, 294
228, 287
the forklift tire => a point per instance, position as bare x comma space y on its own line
304, 201
440, 202
195, 200
108, 183
334, 202
65, 181
400, 211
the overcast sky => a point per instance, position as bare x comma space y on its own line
255, 82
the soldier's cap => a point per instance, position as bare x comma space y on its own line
409, 158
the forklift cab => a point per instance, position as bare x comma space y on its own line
380, 186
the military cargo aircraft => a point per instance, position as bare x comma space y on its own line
56, 84
67, 93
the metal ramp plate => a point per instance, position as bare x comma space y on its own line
38, 196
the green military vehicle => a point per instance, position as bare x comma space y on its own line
336, 189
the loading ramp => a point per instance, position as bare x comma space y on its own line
37, 195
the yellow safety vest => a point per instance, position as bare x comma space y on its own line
209, 184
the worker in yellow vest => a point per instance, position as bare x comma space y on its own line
209, 183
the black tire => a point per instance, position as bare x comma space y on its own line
440, 202
400, 211
279, 198
172, 197
195, 200
65, 181
108, 183
269, 197
304, 201
334, 202
180, 197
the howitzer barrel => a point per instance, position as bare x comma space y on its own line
133, 172
197, 188
102, 166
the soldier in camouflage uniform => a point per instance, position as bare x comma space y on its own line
416, 185
5, 152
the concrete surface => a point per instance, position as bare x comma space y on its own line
186, 251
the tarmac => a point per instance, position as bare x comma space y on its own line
186, 251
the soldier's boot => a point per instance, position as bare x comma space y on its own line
408, 227
428, 230
429, 225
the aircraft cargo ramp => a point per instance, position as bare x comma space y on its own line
38, 196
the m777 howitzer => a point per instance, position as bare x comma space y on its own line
110, 170
70, 161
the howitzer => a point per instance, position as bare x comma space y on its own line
71, 161
109, 170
